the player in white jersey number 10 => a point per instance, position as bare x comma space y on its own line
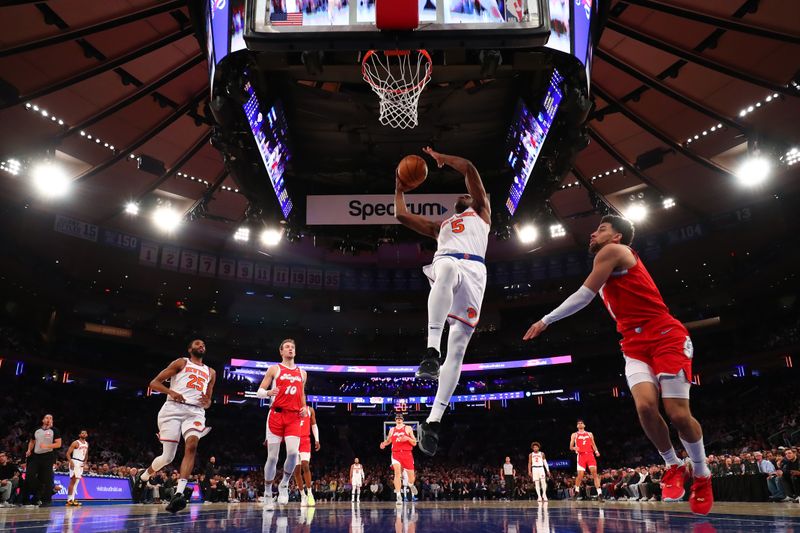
458, 280
191, 384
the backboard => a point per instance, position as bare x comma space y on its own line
274, 25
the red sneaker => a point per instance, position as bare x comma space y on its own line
672, 484
701, 498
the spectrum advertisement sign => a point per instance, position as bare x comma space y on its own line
94, 488
103, 488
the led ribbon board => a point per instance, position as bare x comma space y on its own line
383, 400
238, 365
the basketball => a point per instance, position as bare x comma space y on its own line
412, 171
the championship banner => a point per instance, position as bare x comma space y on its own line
374, 209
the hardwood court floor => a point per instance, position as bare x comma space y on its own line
423, 517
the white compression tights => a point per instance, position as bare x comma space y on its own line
292, 458
457, 341
166, 457
440, 299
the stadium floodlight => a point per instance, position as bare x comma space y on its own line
166, 218
132, 208
271, 236
527, 233
242, 234
50, 180
557, 230
636, 212
754, 171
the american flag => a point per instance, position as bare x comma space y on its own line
286, 19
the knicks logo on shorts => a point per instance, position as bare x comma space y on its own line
471, 312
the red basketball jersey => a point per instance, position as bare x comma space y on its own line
290, 389
583, 441
305, 427
632, 298
399, 446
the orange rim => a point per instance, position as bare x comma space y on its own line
395, 53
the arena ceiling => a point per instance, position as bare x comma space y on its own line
679, 87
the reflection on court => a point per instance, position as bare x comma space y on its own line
445, 517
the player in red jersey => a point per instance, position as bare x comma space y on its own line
582, 443
285, 384
302, 472
657, 351
401, 438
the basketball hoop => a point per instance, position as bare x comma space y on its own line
398, 78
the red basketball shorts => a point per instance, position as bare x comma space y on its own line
404, 459
282, 425
585, 460
665, 347
305, 444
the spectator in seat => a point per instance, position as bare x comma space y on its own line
750, 465
9, 479
170, 484
654, 484
773, 481
136, 488
738, 467
153, 486
790, 475
375, 489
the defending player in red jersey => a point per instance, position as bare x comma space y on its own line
657, 351
285, 384
582, 443
302, 472
401, 438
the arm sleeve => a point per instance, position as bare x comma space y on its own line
546, 466
262, 393
574, 303
315, 431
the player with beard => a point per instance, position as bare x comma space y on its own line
657, 352
77, 456
191, 384
458, 279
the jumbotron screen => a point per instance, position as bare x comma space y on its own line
270, 132
526, 137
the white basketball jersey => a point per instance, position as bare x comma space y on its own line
463, 233
191, 382
537, 461
80, 451
358, 472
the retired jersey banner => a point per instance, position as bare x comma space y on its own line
366, 209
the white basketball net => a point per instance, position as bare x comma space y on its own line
398, 78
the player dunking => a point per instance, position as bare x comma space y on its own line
458, 280
302, 472
356, 479
539, 471
582, 443
401, 438
191, 384
285, 384
657, 351
77, 455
